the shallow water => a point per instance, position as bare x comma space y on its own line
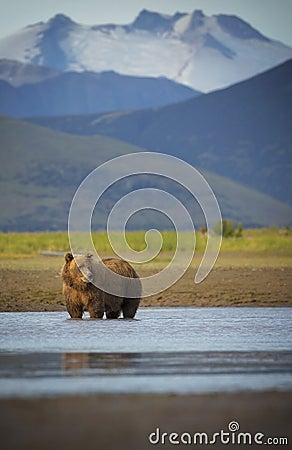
162, 350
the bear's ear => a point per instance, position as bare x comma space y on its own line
68, 257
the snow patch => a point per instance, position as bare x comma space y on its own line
185, 55
22, 45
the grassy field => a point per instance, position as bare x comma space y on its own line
254, 242
268, 247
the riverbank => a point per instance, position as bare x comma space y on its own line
126, 421
34, 284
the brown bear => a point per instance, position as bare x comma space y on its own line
80, 293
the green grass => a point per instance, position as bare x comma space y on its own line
257, 248
261, 242
27, 244
269, 242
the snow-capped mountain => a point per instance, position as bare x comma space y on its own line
203, 52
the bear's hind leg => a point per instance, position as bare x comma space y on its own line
113, 314
129, 307
112, 306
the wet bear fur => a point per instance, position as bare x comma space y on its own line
81, 294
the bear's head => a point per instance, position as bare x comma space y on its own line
77, 271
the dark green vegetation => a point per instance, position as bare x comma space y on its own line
228, 229
41, 170
243, 132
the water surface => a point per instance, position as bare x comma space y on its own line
163, 350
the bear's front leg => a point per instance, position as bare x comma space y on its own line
95, 311
75, 311
95, 305
73, 302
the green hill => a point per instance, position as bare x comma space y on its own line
40, 170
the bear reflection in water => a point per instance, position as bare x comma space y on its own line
80, 272
75, 364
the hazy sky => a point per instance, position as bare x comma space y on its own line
272, 17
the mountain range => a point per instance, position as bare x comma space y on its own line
137, 82
242, 132
205, 53
82, 93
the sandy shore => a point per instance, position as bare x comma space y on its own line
40, 288
125, 421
